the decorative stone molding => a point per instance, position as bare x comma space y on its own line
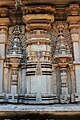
39, 62
40, 20
73, 9
4, 12
39, 17
4, 21
38, 26
62, 57
73, 16
3, 34
40, 9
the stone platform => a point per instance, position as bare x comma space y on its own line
69, 110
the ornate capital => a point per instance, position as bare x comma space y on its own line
73, 9
73, 23
4, 21
73, 16
73, 19
75, 37
3, 34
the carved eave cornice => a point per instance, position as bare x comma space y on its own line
39, 17
31, 2
38, 26
40, 9
36, 13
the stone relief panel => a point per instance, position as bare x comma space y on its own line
62, 58
56, 33
20, 30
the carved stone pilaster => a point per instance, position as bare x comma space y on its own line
54, 81
4, 22
39, 53
15, 55
73, 82
62, 57
6, 78
73, 20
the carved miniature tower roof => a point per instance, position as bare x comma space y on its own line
15, 47
62, 45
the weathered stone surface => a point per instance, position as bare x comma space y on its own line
39, 55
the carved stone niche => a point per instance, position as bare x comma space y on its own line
62, 54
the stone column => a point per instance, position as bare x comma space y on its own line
3, 40
22, 75
75, 40
76, 62
74, 25
6, 78
64, 88
54, 83
39, 68
73, 83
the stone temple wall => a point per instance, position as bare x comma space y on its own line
39, 54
